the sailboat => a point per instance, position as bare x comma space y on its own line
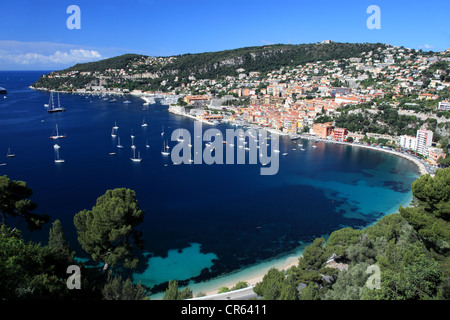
9, 154
118, 143
58, 160
115, 126
132, 142
134, 159
162, 132
164, 151
52, 107
144, 124
49, 100
113, 133
57, 136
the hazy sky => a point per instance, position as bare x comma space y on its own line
34, 34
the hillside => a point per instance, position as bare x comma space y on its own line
143, 72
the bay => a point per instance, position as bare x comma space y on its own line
202, 221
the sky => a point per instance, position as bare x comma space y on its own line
35, 34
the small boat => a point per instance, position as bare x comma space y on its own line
314, 146
134, 159
164, 151
276, 150
284, 154
112, 153
58, 160
57, 135
118, 143
144, 124
132, 142
113, 133
2, 164
127, 101
115, 126
9, 154
56, 146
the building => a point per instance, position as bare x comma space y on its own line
444, 106
340, 133
192, 99
434, 154
424, 140
408, 142
322, 130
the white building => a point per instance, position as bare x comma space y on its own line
444, 105
424, 140
408, 142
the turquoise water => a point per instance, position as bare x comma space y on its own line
202, 221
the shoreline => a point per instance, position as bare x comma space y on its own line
254, 274
421, 167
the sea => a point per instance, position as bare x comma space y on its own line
202, 222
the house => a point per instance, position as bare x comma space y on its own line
434, 154
322, 130
340, 133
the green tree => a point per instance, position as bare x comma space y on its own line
116, 288
173, 293
58, 244
15, 203
26, 270
271, 286
433, 193
108, 232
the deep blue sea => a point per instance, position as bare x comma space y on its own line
202, 221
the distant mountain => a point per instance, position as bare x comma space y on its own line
139, 71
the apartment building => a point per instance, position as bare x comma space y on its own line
408, 142
424, 140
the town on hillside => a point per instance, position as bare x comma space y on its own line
395, 98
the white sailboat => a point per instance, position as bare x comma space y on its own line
57, 135
162, 132
132, 142
49, 100
144, 124
134, 159
58, 160
115, 126
9, 154
118, 143
180, 139
113, 133
164, 151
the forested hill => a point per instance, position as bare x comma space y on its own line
148, 72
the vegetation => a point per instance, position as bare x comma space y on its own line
34, 271
208, 65
410, 248
16, 205
108, 232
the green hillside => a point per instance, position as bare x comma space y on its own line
208, 65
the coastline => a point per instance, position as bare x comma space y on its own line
421, 167
255, 274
